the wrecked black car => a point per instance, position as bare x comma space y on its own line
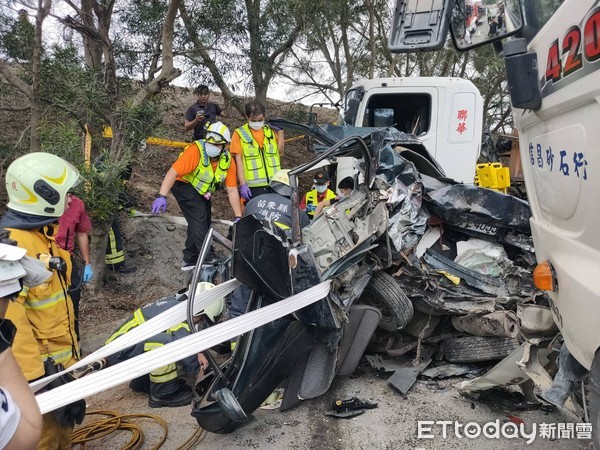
371, 246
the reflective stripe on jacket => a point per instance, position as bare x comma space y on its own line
44, 314
312, 199
147, 312
204, 178
260, 164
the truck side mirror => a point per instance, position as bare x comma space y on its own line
522, 75
474, 24
350, 114
419, 25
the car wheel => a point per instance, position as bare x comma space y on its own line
595, 400
384, 293
477, 348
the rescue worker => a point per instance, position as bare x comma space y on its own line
115, 254
201, 114
316, 195
202, 167
345, 187
37, 186
256, 150
275, 206
163, 385
20, 418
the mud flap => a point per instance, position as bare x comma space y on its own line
319, 372
290, 395
357, 334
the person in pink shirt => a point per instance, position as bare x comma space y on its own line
73, 233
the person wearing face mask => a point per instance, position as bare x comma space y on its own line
200, 169
345, 188
255, 147
315, 196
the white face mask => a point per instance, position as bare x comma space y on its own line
256, 125
321, 188
212, 150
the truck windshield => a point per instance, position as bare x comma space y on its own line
537, 13
410, 113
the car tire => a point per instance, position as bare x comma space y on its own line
478, 349
594, 404
383, 292
422, 325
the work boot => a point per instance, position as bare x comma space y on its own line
140, 384
122, 268
182, 397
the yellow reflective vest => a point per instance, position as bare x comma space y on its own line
44, 315
204, 178
312, 199
260, 164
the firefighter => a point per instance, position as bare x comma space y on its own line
37, 186
255, 147
202, 167
319, 193
20, 418
163, 385
275, 206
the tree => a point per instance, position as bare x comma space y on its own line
30, 87
246, 43
130, 109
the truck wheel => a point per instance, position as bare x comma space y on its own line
384, 293
476, 348
595, 400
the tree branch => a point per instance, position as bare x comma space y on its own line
15, 80
168, 72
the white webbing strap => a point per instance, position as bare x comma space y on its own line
175, 351
158, 324
178, 220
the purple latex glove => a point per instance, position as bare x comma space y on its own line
87, 273
159, 205
245, 192
236, 219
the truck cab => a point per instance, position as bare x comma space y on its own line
553, 76
446, 114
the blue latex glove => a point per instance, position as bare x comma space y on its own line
159, 205
88, 273
310, 208
245, 192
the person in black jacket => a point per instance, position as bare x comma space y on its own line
163, 384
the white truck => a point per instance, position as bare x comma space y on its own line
446, 114
552, 65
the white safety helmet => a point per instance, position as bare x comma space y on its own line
37, 184
213, 310
218, 133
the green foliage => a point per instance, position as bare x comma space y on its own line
295, 113
100, 187
17, 36
137, 45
